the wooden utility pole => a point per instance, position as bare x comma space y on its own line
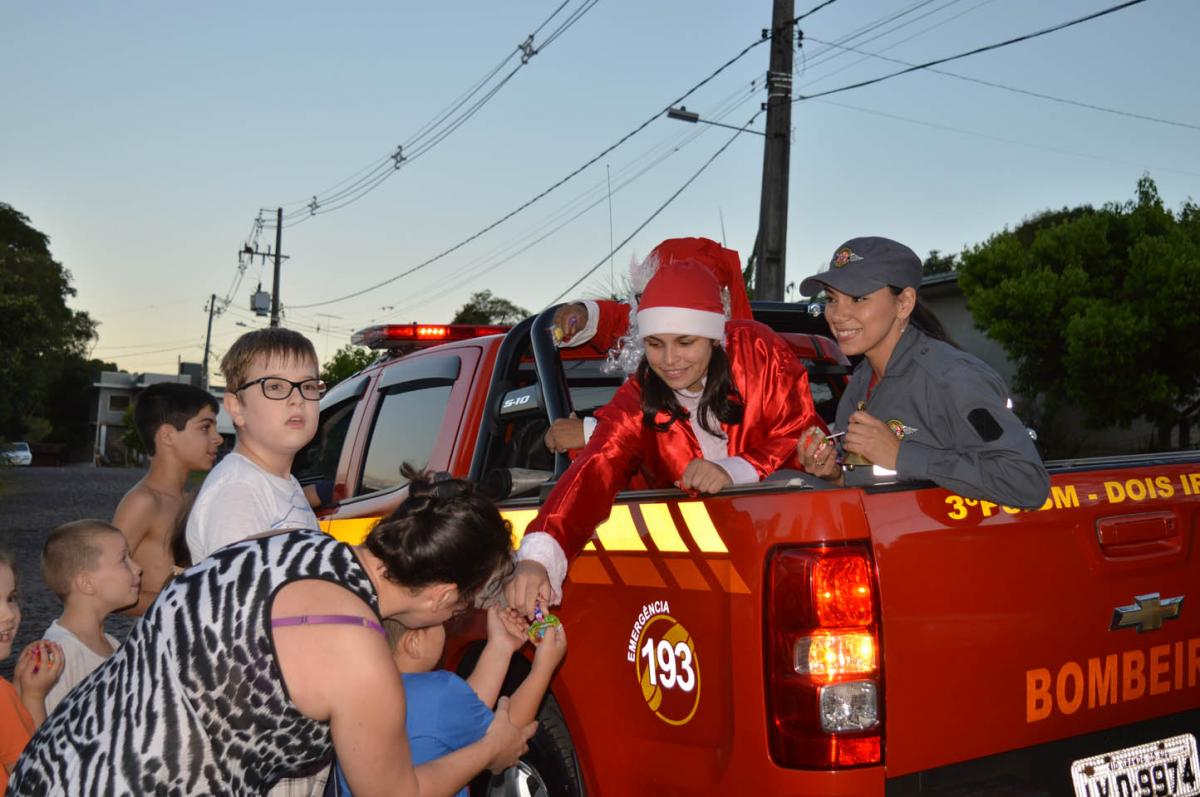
279, 246
772, 218
212, 309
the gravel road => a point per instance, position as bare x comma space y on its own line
33, 501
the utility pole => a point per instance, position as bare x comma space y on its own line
247, 255
212, 309
279, 239
772, 218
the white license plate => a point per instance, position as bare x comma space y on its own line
1166, 768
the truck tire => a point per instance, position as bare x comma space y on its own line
548, 769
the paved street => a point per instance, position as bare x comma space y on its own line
32, 502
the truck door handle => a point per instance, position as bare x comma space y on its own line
1138, 535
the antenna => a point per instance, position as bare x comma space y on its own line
612, 280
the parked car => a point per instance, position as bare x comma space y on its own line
15, 454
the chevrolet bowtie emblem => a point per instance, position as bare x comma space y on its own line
1147, 614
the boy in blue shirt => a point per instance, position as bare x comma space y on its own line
445, 712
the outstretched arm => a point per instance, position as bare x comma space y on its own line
528, 697
505, 637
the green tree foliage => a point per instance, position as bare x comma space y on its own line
346, 362
937, 263
484, 308
1099, 307
42, 340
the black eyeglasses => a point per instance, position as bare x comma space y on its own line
277, 388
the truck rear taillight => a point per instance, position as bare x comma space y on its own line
824, 691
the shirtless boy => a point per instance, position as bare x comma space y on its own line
178, 426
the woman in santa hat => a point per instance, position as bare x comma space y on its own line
609, 328
713, 402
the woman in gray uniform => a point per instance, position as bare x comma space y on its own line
916, 405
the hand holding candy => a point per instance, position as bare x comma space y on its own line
542, 622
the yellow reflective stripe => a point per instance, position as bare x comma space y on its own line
351, 530
662, 528
618, 532
695, 515
520, 520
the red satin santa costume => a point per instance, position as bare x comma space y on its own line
682, 298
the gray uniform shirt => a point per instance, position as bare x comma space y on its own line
957, 429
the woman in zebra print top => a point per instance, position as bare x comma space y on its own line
262, 659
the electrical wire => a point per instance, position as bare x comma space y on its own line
1001, 139
375, 175
571, 211
659, 210
976, 51
1030, 93
896, 44
596, 158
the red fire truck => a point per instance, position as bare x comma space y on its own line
777, 639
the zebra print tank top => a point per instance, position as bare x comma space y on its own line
193, 703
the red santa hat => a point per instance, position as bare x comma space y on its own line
682, 298
724, 264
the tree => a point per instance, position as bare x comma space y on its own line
484, 308
347, 361
937, 263
40, 335
1098, 306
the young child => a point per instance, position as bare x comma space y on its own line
444, 712
87, 564
272, 392
178, 426
22, 707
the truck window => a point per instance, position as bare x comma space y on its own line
319, 459
408, 418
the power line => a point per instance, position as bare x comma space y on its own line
659, 210
590, 198
895, 44
1027, 92
377, 173
765, 38
558, 184
976, 51
1001, 139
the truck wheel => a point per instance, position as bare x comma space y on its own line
548, 769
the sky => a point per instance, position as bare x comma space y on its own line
145, 138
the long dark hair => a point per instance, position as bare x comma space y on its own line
719, 400
445, 532
923, 319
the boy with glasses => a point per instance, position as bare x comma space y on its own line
272, 392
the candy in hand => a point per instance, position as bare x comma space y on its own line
541, 623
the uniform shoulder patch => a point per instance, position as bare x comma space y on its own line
985, 424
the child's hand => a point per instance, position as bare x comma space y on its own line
39, 667
506, 628
551, 648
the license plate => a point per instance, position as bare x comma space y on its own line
1167, 768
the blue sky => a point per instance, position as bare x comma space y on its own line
145, 137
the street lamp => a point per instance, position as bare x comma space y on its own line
684, 115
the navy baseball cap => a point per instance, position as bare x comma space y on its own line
864, 265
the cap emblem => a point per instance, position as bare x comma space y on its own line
844, 256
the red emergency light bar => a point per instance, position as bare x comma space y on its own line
408, 336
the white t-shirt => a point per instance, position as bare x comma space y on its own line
79, 662
238, 500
